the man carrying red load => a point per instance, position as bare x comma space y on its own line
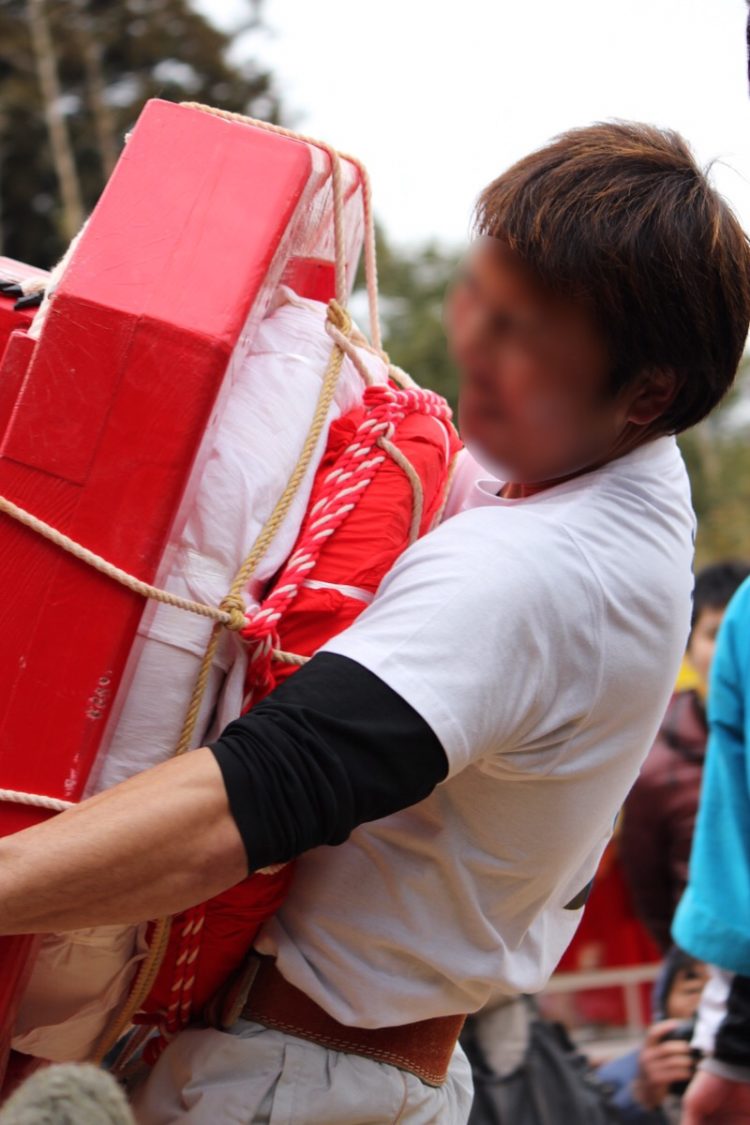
449, 768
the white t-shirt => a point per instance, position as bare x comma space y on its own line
540, 639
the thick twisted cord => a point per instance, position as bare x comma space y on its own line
339, 320
227, 616
411, 474
36, 800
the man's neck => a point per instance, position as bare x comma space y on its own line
515, 490
629, 440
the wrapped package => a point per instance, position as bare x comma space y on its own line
80, 978
107, 401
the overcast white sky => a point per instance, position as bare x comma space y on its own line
438, 96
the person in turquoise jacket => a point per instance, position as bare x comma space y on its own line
713, 919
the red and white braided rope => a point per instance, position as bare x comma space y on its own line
177, 1013
343, 488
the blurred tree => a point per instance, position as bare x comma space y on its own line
717, 454
74, 75
61, 149
413, 285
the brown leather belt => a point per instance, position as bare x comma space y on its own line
424, 1048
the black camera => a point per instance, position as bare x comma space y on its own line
684, 1031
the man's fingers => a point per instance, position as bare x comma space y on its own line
675, 1072
657, 1031
673, 1048
30, 301
671, 1070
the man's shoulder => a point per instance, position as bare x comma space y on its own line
518, 524
498, 548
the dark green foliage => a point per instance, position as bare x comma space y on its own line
147, 48
717, 454
413, 284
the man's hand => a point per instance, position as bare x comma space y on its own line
660, 1064
156, 844
711, 1100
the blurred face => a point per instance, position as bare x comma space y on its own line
685, 993
534, 398
703, 641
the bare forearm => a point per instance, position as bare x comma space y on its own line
160, 842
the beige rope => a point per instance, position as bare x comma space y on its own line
37, 800
148, 970
347, 345
416, 485
400, 378
232, 616
341, 320
290, 658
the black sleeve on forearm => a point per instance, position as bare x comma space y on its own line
331, 748
732, 1043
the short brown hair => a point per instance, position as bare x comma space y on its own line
620, 216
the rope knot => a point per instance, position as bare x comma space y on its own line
234, 607
338, 317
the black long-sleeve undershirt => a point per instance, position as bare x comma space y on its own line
732, 1044
331, 748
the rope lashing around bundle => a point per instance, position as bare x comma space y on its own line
343, 488
149, 968
230, 613
339, 326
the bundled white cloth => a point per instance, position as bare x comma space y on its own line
263, 418
271, 391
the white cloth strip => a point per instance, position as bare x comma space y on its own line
348, 591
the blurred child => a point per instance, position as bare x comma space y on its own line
649, 1082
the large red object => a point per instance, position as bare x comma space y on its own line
102, 418
370, 511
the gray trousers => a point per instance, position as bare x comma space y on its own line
255, 1075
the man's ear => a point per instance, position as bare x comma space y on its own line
652, 395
